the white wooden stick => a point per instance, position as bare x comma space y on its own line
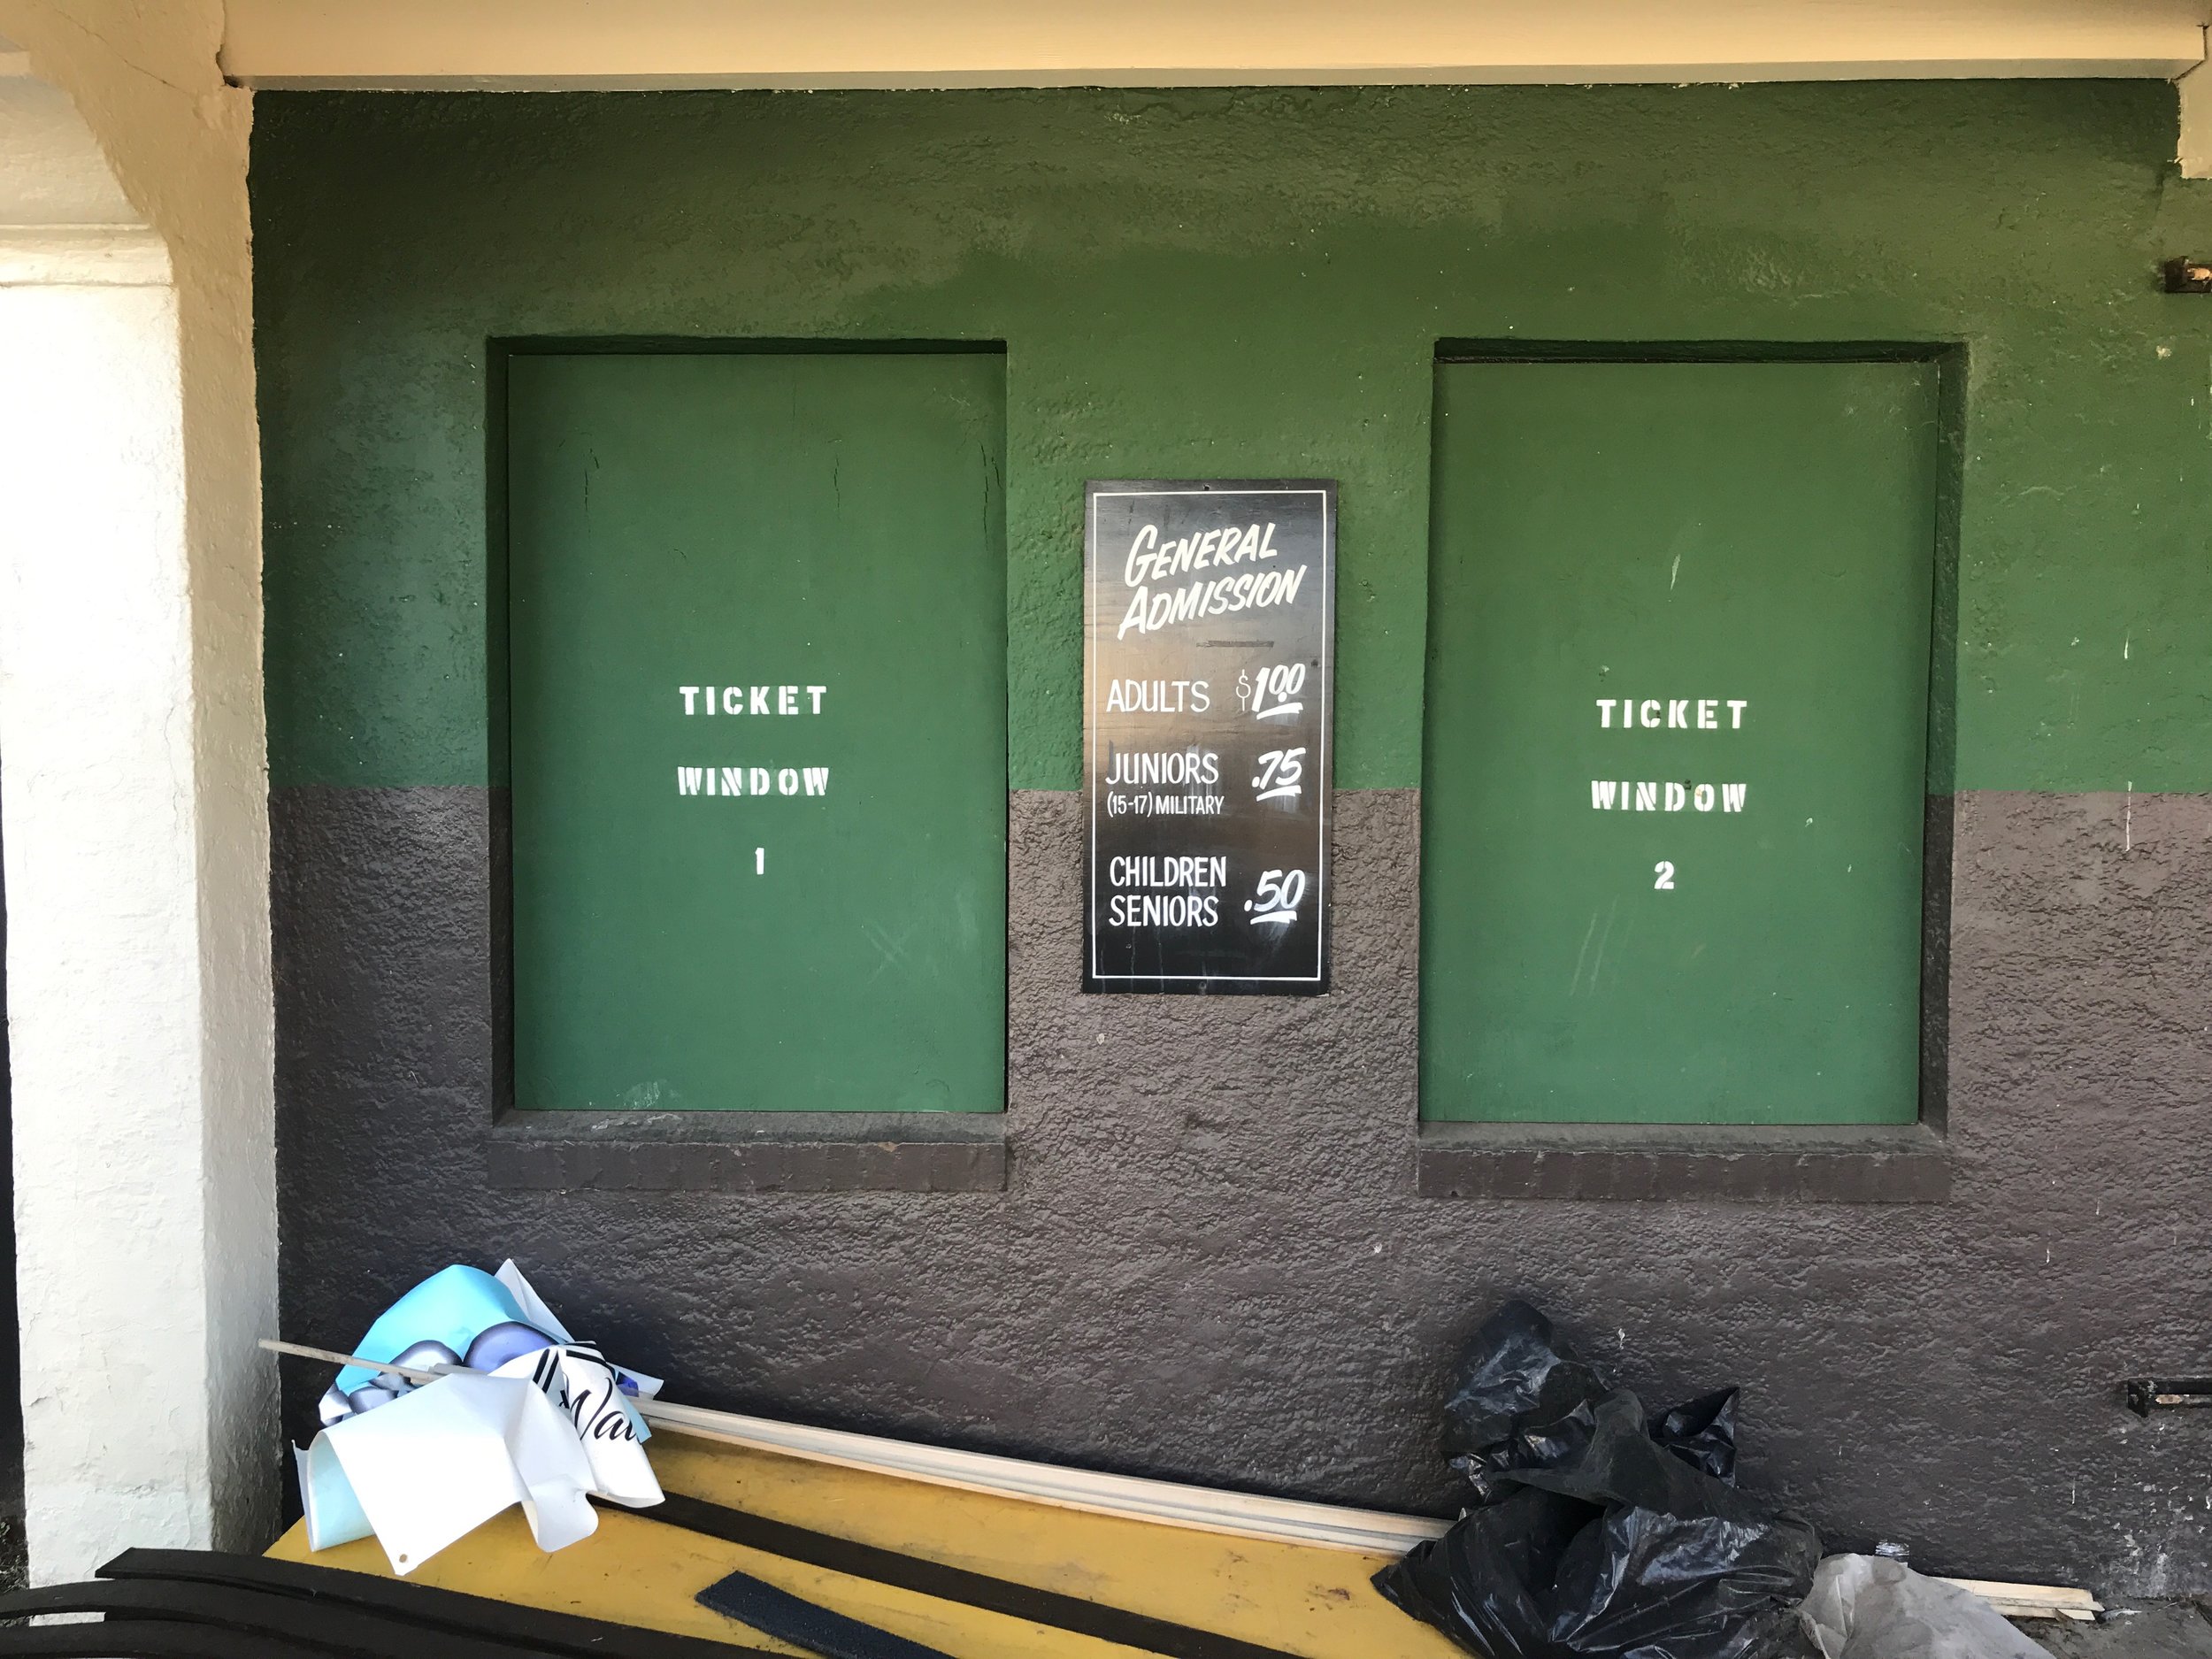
298, 1351
1201, 1508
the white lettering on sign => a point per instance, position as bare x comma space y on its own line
1281, 681
1150, 611
734, 781
1152, 560
1178, 765
1670, 713
1148, 870
1179, 876
1661, 795
1673, 714
1157, 696
1120, 805
702, 700
1280, 769
1127, 910
1277, 897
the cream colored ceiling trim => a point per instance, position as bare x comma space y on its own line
547, 44
82, 255
63, 216
2195, 150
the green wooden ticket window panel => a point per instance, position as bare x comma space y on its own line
756, 610
1674, 798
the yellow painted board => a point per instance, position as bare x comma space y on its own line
1300, 1598
623, 1572
636, 1571
1311, 1602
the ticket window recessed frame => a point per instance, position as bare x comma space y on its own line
941, 1060
1508, 1070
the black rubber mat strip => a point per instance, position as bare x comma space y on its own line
805, 1623
425, 1606
953, 1584
327, 1626
145, 1639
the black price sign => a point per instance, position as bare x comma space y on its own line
1209, 662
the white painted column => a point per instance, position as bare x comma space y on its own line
133, 821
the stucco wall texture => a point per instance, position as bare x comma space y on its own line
1209, 1260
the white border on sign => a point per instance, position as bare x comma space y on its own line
1090, 767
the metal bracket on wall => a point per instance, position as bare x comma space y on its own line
2188, 276
2146, 1395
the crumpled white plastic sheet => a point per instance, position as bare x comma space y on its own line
548, 1430
1864, 1607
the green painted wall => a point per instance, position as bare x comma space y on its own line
1246, 284
1745, 551
819, 924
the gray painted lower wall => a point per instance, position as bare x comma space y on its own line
1211, 1259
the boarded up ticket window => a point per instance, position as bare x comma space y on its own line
1674, 793
757, 731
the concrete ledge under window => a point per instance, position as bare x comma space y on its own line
1645, 1164
750, 1152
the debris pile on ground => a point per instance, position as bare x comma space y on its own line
1597, 1530
1593, 1529
474, 1397
1864, 1607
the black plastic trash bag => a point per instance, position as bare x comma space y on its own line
1596, 1532
1702, 1431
